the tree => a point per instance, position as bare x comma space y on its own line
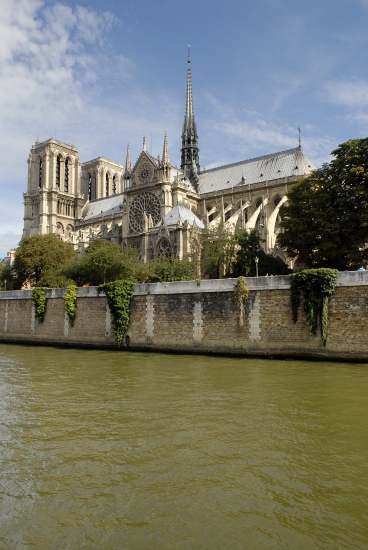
164, 269
325, 221
7, 275
104, 262
40, 254
249, 248
213, 251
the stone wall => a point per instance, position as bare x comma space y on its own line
199, 318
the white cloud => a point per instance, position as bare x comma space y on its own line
244, 133
352, 94
52, 64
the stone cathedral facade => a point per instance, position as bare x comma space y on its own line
153, 205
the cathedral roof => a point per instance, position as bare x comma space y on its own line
102, 207
288, 163
182, 213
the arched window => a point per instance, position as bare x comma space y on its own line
107, 185
58, 172
114, 185
89, 187
40, 174
66, 176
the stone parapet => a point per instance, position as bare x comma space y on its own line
191, 317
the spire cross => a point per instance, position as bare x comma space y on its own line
300, 141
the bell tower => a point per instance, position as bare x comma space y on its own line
189, 136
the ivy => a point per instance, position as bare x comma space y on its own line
39, 299
317, 285
241, 294
119, 295
70, 303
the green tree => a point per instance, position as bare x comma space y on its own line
164, 269
325, 221
7, 275
213, 251
104, 262
249, 247
40, 254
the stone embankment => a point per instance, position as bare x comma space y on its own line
199, 318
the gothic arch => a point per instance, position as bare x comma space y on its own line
67, 168
40, 170
164, 247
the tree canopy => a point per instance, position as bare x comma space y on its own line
249, 247
325, 221
213, 250
39, 254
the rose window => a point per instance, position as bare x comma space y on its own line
144, 203
144, 173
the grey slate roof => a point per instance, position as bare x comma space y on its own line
292, 162
181, 212
102, 207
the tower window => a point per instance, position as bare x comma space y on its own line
58, 171
107, 185
66, 176
40, 175
89, 187
114, 185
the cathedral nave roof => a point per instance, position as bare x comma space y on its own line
291, 162
103, 207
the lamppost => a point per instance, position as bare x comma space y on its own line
5, 281
256, 260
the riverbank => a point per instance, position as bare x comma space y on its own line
198, 317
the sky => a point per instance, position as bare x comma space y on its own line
98, 75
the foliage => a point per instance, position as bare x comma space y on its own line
119, 295
164, 269
241, 294
104, 262
325, 221
54, 279
213, 251
249, 248
7, 275
39, 254
317, 285
39, 299
70, 303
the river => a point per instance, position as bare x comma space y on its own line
111, 450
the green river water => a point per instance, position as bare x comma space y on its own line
113, 450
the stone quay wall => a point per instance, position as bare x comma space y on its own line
199, 318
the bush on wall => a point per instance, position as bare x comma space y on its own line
119, 295
317, 285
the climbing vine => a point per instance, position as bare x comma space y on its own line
119, 295
317, 285
70, 303
39, 299
241, 293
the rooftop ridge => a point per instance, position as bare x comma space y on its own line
295, 149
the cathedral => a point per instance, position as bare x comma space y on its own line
153, 205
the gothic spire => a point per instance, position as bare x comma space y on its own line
189, 122
165, 152
128, 162
189, 137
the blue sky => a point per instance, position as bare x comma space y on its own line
100, 75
